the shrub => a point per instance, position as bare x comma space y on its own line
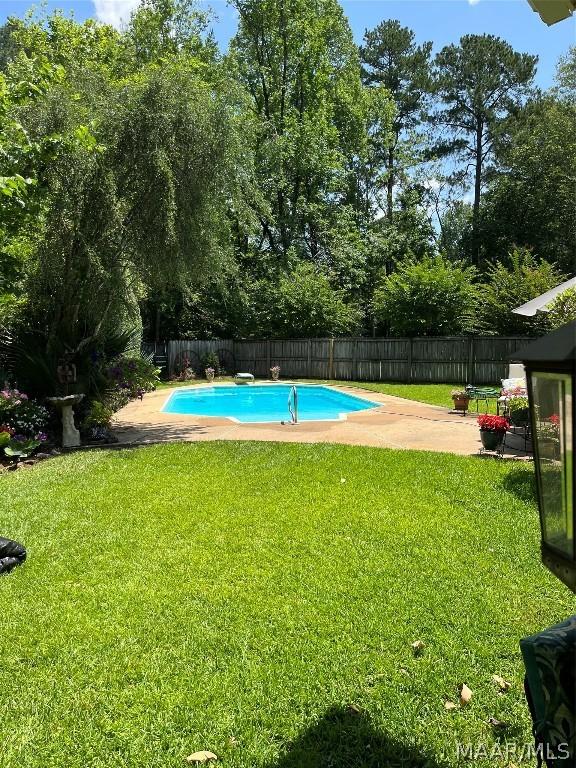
306, 305
133, 375
563, 309
24, 417
511, 285
212, 361
99, 415
22, 424
432, 297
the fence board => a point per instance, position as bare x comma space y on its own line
458, 359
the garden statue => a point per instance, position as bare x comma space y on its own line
66, 372
70, 435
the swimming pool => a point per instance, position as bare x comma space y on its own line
262, 403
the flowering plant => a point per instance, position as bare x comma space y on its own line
489, 423
21, 417
24, 422
133, 375
550, 428
185, 372
210, 373
457, 393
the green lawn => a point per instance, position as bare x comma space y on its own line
260, 601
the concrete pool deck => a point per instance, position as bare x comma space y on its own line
396, 423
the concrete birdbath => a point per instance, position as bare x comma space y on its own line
70, 435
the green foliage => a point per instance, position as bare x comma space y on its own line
21, 449
24, 418
144, 177
133, 375
300, 66
480, 82
563, 309
306, 305
531, 204
99, 414
511, 284
566, 75
433, 297
211, 360
455, 231
392, 61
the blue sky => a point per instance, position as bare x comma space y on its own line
441, 21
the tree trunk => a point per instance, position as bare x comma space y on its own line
390, 185
157, 324
477, 190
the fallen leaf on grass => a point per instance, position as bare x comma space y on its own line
499, 725
354, 709
201, 757
504, 685
449, 705
465, 695
418, 647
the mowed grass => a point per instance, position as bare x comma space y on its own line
260, 600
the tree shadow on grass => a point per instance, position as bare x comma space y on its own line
522, 483
343, 738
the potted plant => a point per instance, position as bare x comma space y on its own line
492, 430
275, 371
210, 373
549, 437
519, 411
461, 399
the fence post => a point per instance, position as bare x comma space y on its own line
355, 361
331, 359
410, 352
471, 377
268, 356
309, 359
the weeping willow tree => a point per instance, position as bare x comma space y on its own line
137, 202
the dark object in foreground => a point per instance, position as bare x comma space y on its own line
11, 554
550, 661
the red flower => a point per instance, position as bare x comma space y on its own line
554, 419
488, 423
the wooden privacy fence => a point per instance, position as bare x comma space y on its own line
464, 359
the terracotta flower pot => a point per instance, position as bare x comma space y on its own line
461, 403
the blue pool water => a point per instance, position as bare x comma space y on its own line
254, 403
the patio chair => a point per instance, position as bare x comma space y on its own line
485, 394
514, 386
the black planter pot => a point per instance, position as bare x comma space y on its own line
491, 441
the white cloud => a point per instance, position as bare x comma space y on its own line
473, 2
114, 11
